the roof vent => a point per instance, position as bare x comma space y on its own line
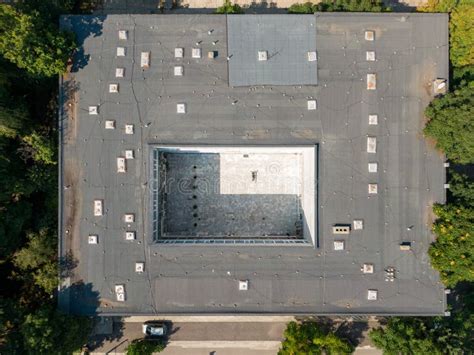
312, 56
181, 108
119, 72
145, 60
129, 235
373, 189
368, 268
341, 229
212, 54
178, 70
120, 292
113, 88
121, 165
129, 218
311, 105
373, 167
93, 110
405, 246
93, 239
358, 224
179, 52
196, 53
243, 285
139, 267
109, 124
373, 120
440, 86
338, 245
372, 295
121, 51
123, 34
129, 129
262, 56
369, 35
371, 81
98, 208
370, 56
371, 144
129, 154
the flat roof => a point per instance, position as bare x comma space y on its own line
411, 50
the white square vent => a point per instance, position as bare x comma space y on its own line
120, 293
373, 189
338, 245
371, 144
262, 56
129, 218
369, 35
373, 120
139, 267
181, 108
178, 70
372, 295
129, 129
119, 72
123, 34
113, 88
93, 239
371, 81
311, 105
130, 235
93, 110
129, 154
373, 167
109, 124
311, 56
370, 56
243, 285
121, 165
368, 268
179, 52
358, 224
145, 59
120, 51
196, 53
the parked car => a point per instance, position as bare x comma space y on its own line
155, 329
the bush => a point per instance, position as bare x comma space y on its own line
145, 347
339, 5
229, 8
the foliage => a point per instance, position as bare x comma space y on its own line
47, 331
462, 189
33, 44
462, 35
145, 347
309, 338
453, 251
339, 5
229, 8
451, 124
37, 260
38, 148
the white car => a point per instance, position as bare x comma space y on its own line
155, 329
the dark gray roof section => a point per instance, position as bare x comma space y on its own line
287, 40
411, 51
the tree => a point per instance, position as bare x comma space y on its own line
47, 331
309, 338
229, 8
339, 5
408, 335
32, 44
451, 124
462, 35
462, 189
145, 347
452, 254
38, 261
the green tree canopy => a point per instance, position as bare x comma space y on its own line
229, 8
462, 189
461, 30
310, 338
145, 347
452, 254
339, 5
32, 44
47, 331
451, 124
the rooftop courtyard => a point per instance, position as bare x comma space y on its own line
270, 164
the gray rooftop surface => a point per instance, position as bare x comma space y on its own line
411, 50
